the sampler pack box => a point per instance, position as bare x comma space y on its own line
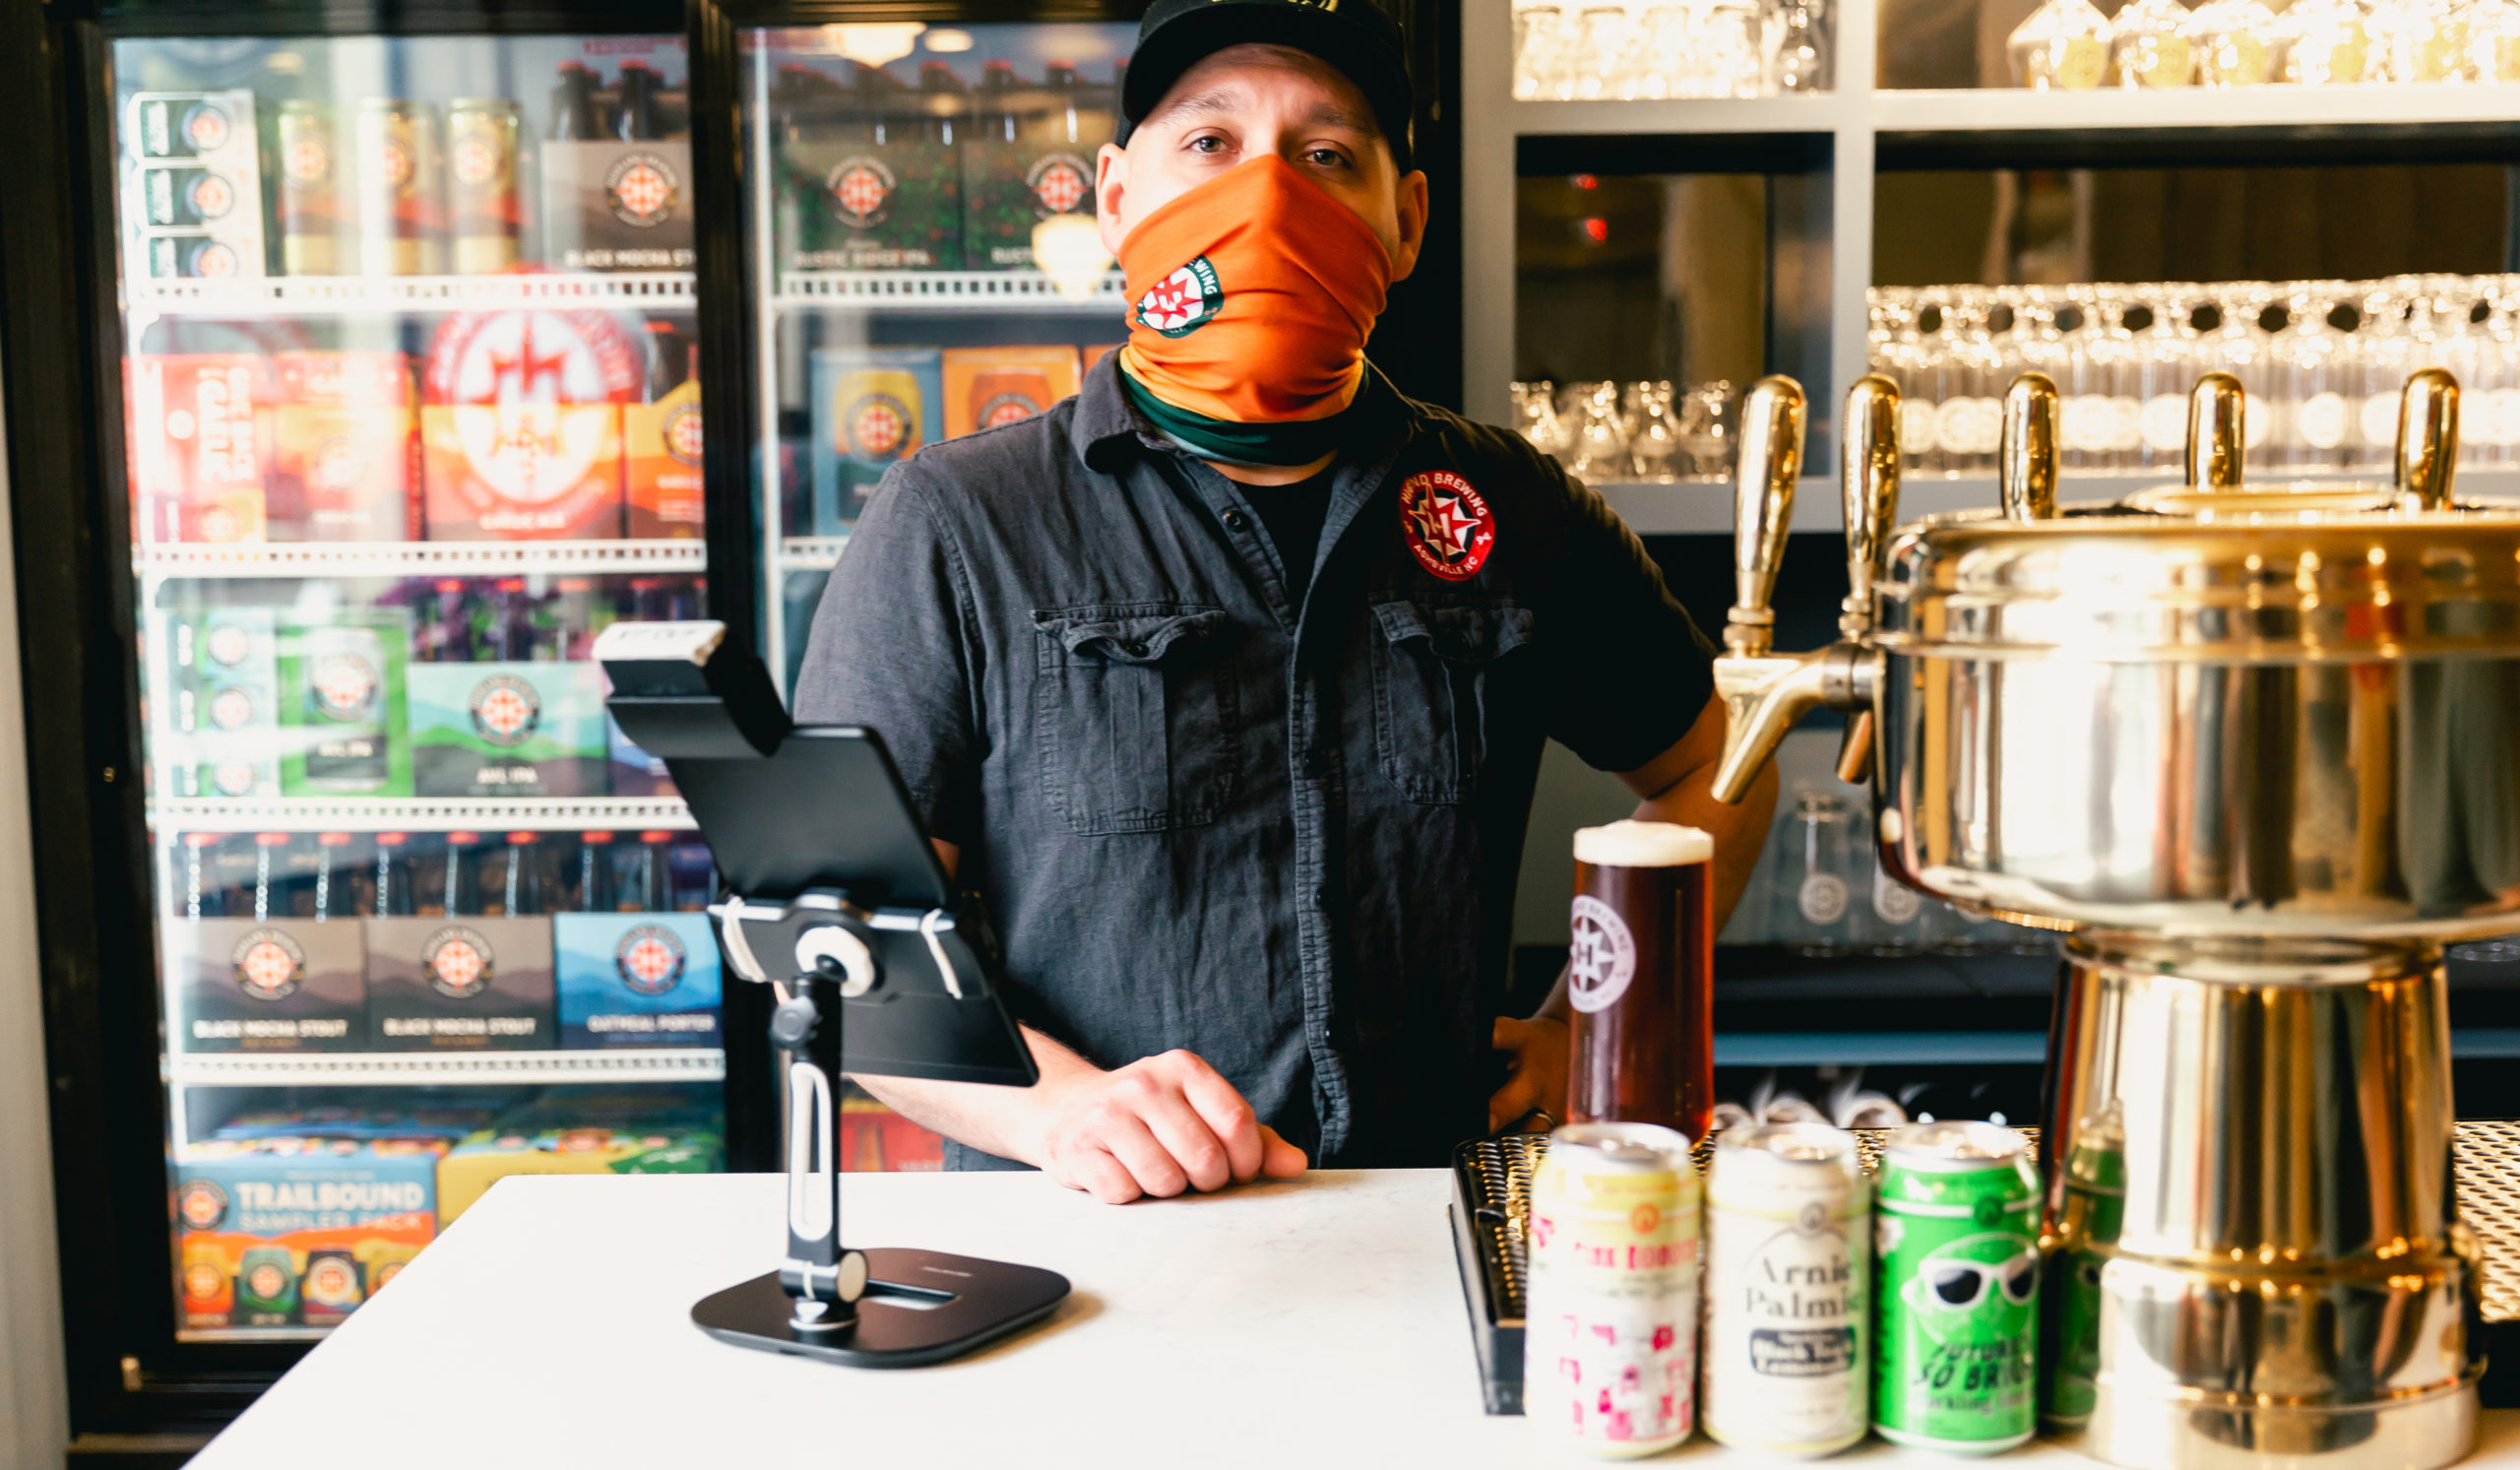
637, 980
298, 1231
247, 984
851, 203
615, 206
542, 1141
343, 714
985, 386
220, 701
872, 407
192, 172
521, 471
460, 983
1010, 186
345, 447
661, 487
198, 451
508, 730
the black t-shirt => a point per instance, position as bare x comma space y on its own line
1295, 515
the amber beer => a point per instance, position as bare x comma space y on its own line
1641, 976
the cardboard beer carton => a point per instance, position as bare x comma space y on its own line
637, 980
250, 985
661, 443
460, 982
288, 1231
543, 1143
615, 206
985, 386
867, 180
218, 703
1029, 157
193, 185
343, 723
508, 730
521, 426
872, 407
874, 1139
345, 448
198, 452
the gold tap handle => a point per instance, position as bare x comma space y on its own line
2026, 464
1871, 488
1770, 460
2217, 432
2428, 436
1870, 484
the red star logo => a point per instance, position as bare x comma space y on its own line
878, 430
644, 192
506, 712
861, 193
1447, 524
458, 965
268, 967
649, 961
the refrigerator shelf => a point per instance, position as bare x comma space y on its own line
811, 553
402, 295
252, 1334
423, 1068
420, 814
941, 290
417, 558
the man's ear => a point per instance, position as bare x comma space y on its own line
1409, 209
1111, 183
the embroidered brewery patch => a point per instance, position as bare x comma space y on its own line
1448, 526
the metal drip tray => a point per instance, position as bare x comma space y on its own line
1491, 1200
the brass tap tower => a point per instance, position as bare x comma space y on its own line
2251, 748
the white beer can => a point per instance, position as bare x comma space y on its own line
1789, 1238
1610, 1342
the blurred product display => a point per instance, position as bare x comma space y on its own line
1654, 49
2322, 362
1822, 893
2068, 45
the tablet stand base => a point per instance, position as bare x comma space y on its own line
920, 1307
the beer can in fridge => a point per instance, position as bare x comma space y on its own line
313, 218
1788, 1364
1957, 1314
483, 215
1609, 1355
399, 186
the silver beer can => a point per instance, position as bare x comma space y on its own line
1788, 1357
1610, 1342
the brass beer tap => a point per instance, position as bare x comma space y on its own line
1765, 692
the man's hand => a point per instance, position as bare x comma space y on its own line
1539, 1077
1157, 1126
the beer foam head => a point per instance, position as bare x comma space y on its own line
1643, 844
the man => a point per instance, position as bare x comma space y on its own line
1227, 680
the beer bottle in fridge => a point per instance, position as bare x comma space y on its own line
576, 117
640, 117
521, 877
196, 891
270, 898
400, 188
343, 875
459, 875
592, 885
647, 879
389, 889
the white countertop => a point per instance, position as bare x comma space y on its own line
1311, 1324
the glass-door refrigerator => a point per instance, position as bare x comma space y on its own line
403, 331
921, 256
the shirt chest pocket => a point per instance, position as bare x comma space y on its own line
1134, 715
1437, 671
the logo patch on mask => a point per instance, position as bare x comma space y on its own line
1447, 525
1185, 302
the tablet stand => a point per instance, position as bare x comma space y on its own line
869, 1308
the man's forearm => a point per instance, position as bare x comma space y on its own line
1003, 1121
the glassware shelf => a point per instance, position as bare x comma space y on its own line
417, 558
941, 290
402, 295
420, 814
422, 1068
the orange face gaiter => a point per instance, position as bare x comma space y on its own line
1253, 297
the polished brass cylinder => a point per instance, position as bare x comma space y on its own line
2253, 1256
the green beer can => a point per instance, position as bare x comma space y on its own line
2087, 1219
1956, 1335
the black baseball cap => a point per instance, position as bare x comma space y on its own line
1357, 37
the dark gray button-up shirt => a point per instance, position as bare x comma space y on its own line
1284, 837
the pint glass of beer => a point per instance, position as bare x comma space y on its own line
1641, 976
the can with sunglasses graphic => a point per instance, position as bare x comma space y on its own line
1787, 1359
1610, 1347
1957, 1318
